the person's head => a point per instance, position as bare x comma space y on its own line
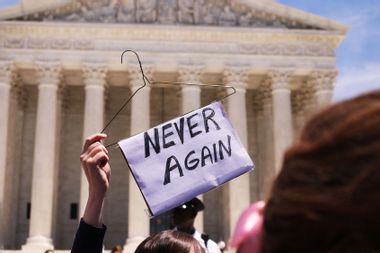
184, 215
49, 251
326, 196
117, 249
169, 241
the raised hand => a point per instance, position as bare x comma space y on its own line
94, 159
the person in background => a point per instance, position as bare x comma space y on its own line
117, 249
90, 234
222, 246
326, 196
169, 241
183, 218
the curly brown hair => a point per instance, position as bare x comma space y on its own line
326, 197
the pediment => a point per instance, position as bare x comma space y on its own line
239, 13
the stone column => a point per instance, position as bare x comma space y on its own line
138, 220
191, 100
238, 194
45, 155
323, 82
94, 77
264, 137
6, 70
282, 115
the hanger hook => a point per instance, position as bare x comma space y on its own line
144, 78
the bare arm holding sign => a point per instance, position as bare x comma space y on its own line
94, 161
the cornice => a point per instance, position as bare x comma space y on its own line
166, 33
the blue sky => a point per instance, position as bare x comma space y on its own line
358, 57
6, 3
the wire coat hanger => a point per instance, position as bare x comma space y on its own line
146, 80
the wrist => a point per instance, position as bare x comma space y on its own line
93, 214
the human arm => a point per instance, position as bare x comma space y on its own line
94, 161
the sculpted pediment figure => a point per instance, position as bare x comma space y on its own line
227, 17
126, 13
245, 13
146, 11
167, 11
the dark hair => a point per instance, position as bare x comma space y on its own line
169, 241
326, 197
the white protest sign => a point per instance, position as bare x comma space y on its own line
184, 157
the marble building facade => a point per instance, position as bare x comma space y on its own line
61, 80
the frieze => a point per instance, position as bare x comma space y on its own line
37, 43
293, 50
188, 12
82, 44
244, 48
14, 42
61, 44
269, 49
45, 43
151, 33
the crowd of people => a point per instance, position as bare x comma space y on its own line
324, 199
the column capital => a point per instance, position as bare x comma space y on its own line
7, 73
190, 73
94, 74
49, 73
135, 75
236, 77
280, 79
323, 79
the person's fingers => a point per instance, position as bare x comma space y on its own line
107, 170
96, 145
86, 153
95, 150
93, 138
108, 174
88, 160
92, 147
100, 158
91, 151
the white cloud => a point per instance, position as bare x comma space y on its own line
356, 81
